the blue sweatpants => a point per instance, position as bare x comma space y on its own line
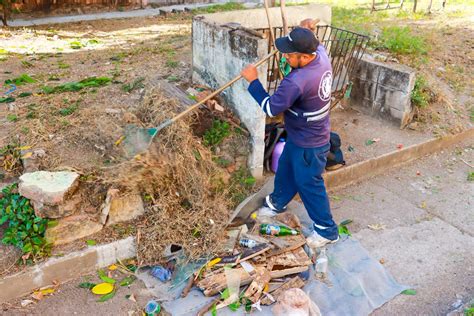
299, 171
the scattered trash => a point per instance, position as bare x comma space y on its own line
295, 302
371, 141
350, 148
277, 230
418, 173
399, 146
12, 88
376, 226
382, 261
322, 264
248, 243
409, 292
102, 288
25, 303
152, 308
161, 273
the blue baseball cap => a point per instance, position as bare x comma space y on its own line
300, 40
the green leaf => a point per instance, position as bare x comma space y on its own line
369, 142
37, 241
105, 278
234, 306
214, 310
7, 100
225, 294
91, 242
24, 94
53, 223
128, 280
409, 292
3, 219
87, 285
27, 248
106, 297
343, 230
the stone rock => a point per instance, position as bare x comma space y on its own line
51, 188
72, 228
118, 209
57, 211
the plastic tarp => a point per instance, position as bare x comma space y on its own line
357, 284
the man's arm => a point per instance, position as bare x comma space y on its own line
280, 101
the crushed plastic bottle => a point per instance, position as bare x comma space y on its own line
322, 263
248, 243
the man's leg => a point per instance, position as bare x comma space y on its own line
312, 191
285, 187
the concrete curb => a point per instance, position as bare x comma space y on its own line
65, 268
362, 170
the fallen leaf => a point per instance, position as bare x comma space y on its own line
113, 267
106, 297
131, 297
423, 205
27, 155
87, 285
128, 280
409, 292
376, 226
91, 242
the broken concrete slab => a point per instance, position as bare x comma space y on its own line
67, 208
118, 208
51, 188
72, 228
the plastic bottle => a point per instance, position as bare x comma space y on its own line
152, 308
161, 273
276, 230
249, 243
322, 262
277, 150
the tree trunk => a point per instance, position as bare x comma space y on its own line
429, 6
414, 6
6, 7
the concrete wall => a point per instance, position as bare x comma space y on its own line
219, 55
383, 90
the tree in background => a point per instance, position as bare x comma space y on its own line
6, 6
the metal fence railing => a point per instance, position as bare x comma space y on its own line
345, 48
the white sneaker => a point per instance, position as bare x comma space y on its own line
265, 211
317, 241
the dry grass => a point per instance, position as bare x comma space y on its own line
187, 203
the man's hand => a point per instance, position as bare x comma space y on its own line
249, 73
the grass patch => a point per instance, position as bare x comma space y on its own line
12, 117
171, 63
63, 65
217, 133
401, 40
26, 64
470, 176
240, 185
420, 96
136, 84
77, 86
230, 6
20, 80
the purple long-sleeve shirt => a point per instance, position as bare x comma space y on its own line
304, 96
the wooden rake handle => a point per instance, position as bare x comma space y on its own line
228, 84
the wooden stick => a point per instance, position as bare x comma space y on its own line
188, 286
283, 17
272, 37
207, 307
290, 248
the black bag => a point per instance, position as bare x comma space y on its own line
335, 156
275, 131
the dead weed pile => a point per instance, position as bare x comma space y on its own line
188, 202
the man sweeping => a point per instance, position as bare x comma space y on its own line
304, 96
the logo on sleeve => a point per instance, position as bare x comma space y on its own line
325, 86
